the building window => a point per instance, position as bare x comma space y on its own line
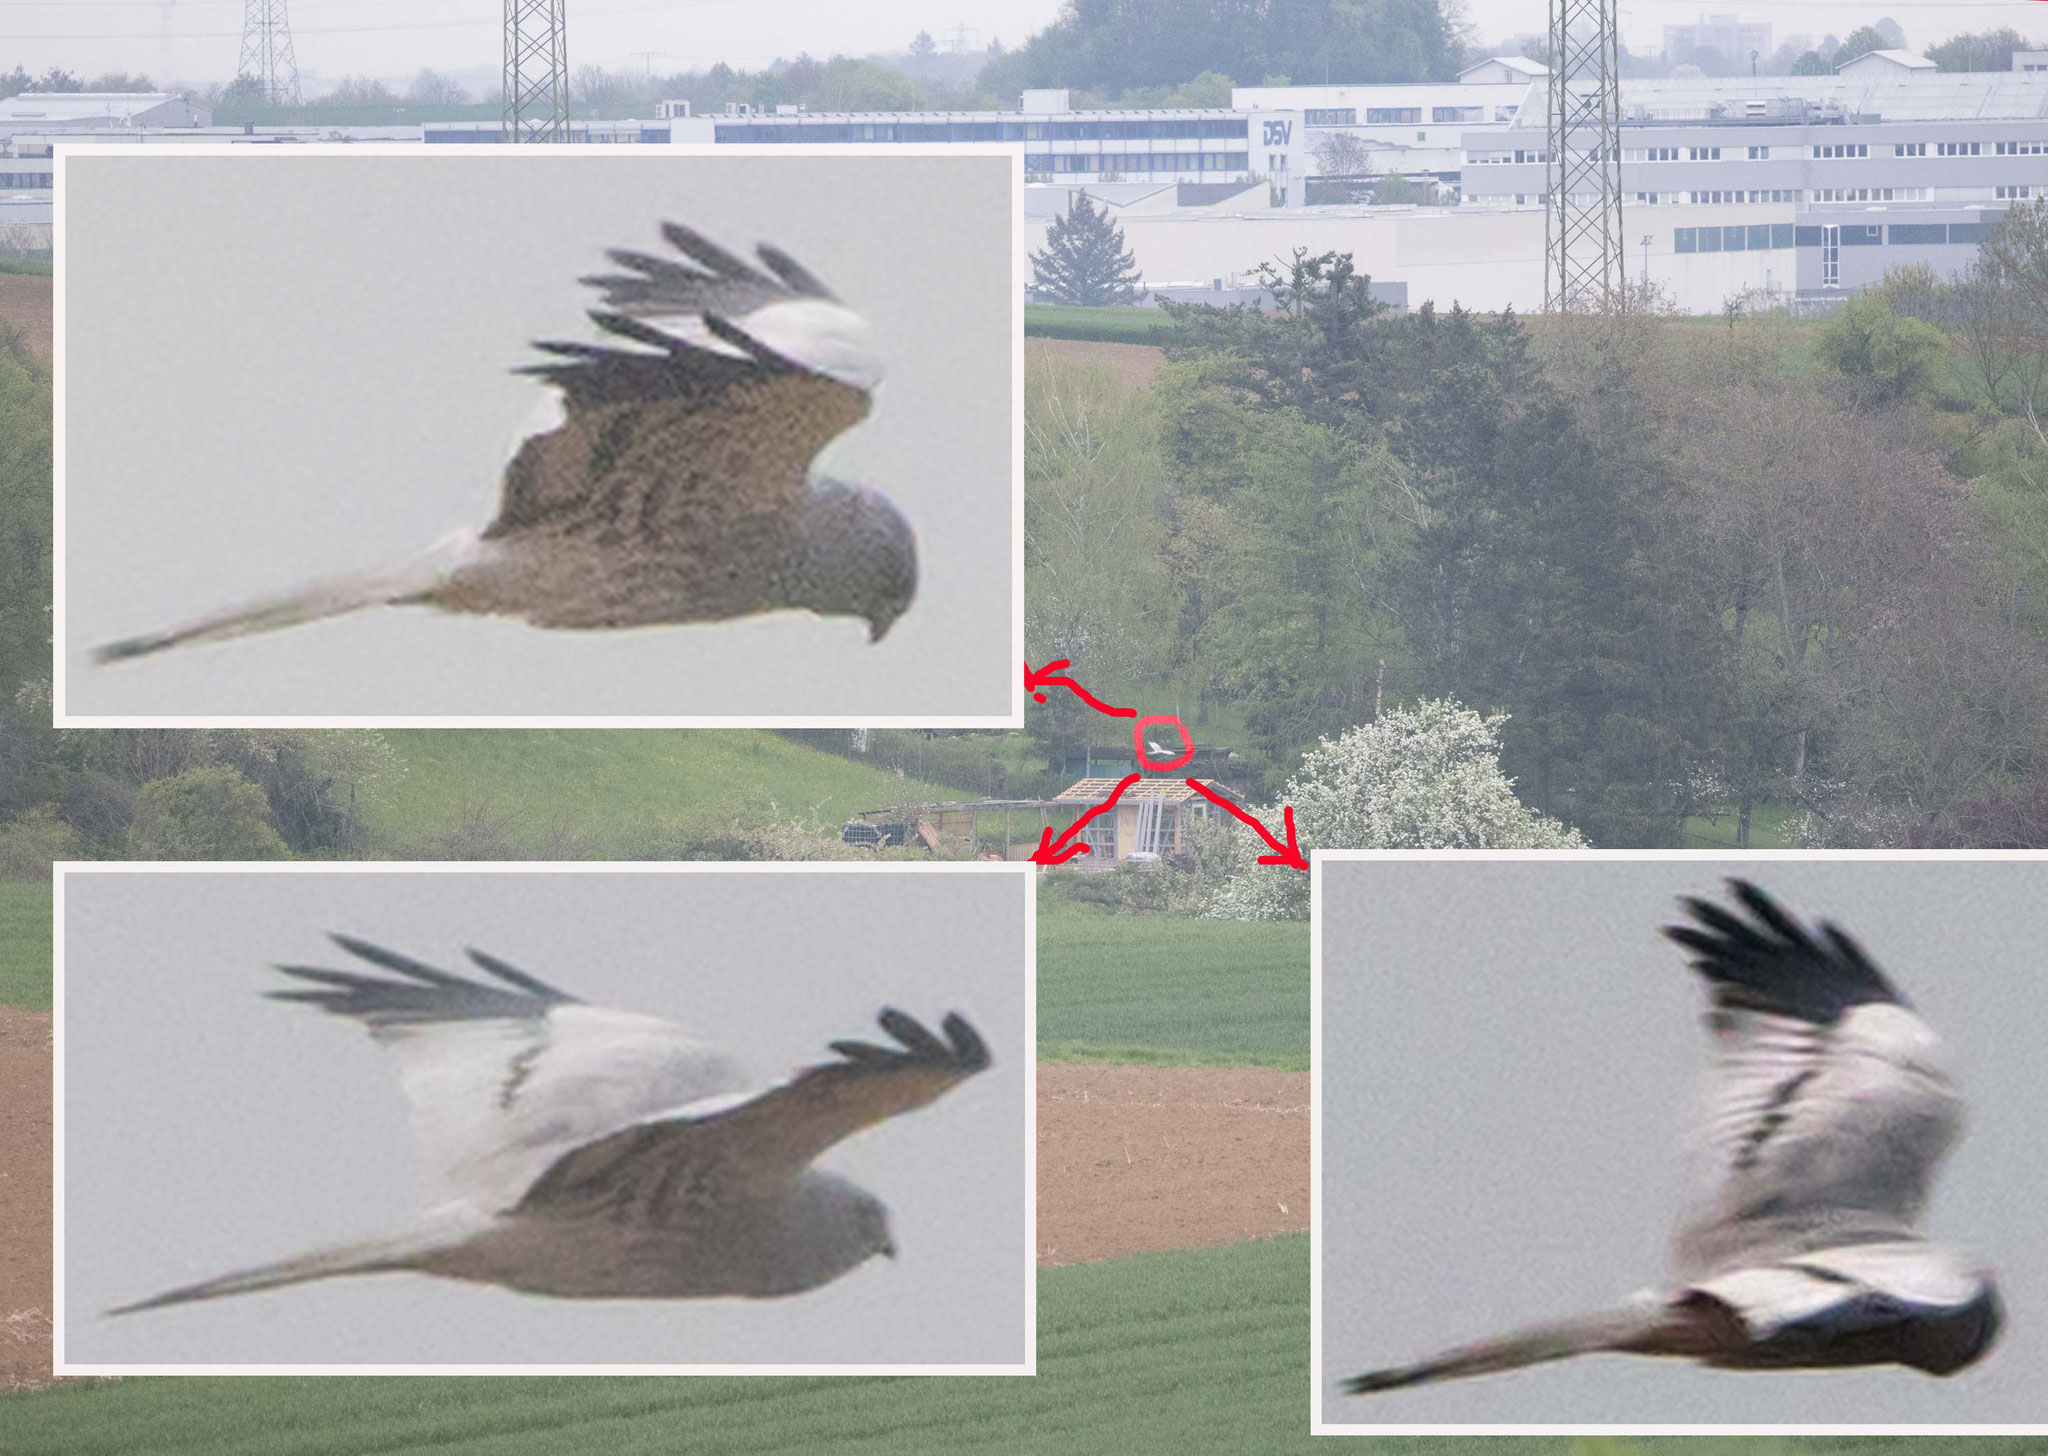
2022, 190
1685, 240
1759, 154
1909, 149
1392, 115
1909, 233
1705, 154
2021, 149
1843, 149
1831, 257
1331, 116
1959, 149
1442, 114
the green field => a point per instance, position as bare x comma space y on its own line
1169, 1353
1131, 988
1097, 325
1165, 1352
25, 946
625, 792
1771, 826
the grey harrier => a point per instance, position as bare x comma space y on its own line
667, 478
590, 1153
1827, 1113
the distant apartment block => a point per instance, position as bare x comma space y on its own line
1724, 34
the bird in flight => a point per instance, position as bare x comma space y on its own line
591, 1153
668, 474
1827, 1113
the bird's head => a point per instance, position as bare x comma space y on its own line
859, 557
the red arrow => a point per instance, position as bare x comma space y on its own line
1052, 851
1038, 679
1283, 854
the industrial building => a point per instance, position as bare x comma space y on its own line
1797, 188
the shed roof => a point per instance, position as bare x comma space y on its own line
1172, 791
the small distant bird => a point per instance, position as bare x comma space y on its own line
1160, 750
590, 1153
667, 478
1828, 1113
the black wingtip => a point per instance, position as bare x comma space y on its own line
1772, 962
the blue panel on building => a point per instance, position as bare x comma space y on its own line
1921, 233
1784, 235
1710, 240
1807, 237
1685, 240
1759, 237
1862, 235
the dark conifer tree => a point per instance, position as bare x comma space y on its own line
1084, 260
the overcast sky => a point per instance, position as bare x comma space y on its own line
198, 40
1509, 1060
207, 1127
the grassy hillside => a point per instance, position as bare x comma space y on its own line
25, 946
1132, 988
625, 792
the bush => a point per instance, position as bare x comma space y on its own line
204, 813
1426, 777
29, 843
1886, 359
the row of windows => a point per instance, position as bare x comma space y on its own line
2020, 149
1130, 162
1871, 194
2022, 190
24, 179
1755, 238
1843, 149
1759, 236
1157, 129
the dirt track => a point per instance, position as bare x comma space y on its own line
24, 1198
1131, 1160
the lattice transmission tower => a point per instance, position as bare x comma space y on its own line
267, 51
536, 71
1584, 261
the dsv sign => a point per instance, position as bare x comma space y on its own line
1277, 133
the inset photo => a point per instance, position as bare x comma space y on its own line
380, 435
530, 1119
1679, 1143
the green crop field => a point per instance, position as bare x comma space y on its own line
1135, 988
1097, 325
622, 792
25, 946
1169, 1353
1164, 1352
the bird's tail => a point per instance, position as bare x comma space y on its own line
328, 597
1647, 1329
368, 1256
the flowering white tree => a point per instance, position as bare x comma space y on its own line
1426, 777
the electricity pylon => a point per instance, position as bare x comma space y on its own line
267, 52
536, 71
1583, 259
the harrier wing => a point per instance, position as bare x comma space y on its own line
1826, 1108
714, 388
505, 1076
772, 1138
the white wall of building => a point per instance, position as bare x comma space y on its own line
1485, 259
